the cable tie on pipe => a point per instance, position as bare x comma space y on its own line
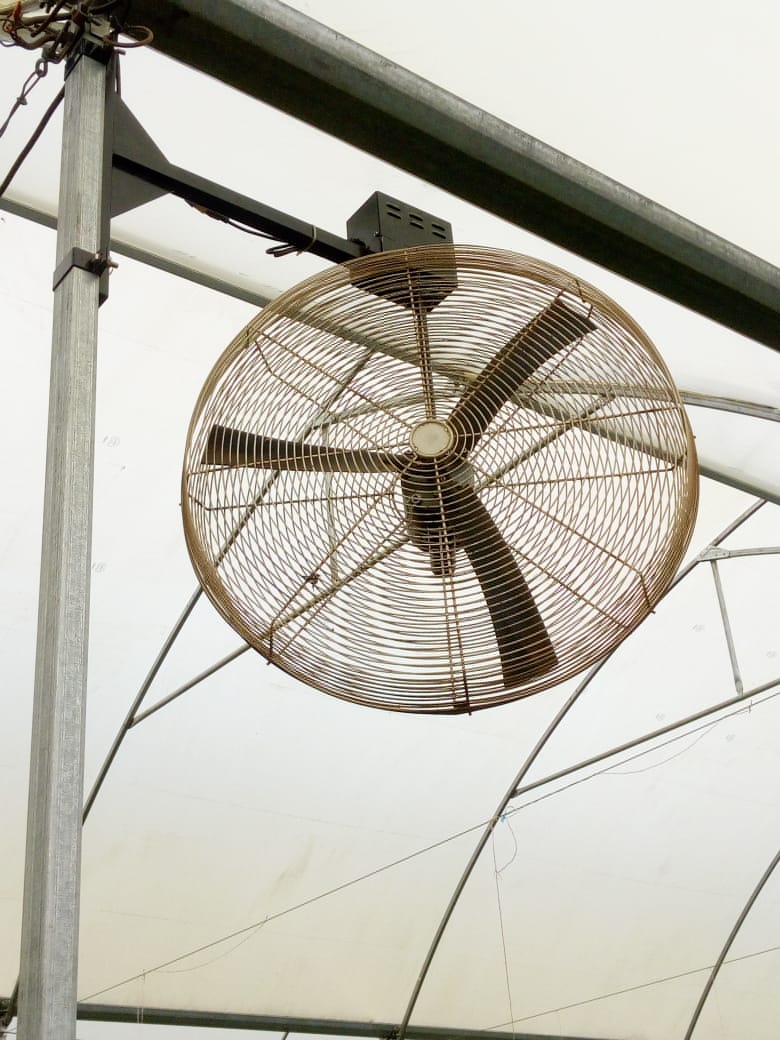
286, 250
307, 247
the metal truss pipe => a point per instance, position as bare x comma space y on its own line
729, 943
199, 678
305, 1026
696, 399
129, 719
151, 257
647, 738
724, 614
751, 485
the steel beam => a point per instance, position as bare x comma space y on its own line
229, 205
309, 1026
47, 990
301, 67
761, 487
141, 172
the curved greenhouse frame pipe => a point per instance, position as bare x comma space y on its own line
728, 944
529, 761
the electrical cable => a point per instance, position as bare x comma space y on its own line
55, 104
282, 249
242, 227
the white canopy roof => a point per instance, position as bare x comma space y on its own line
260, 849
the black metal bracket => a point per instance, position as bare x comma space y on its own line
95, 263
141, 173
88, 47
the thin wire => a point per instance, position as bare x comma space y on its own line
638, 986
503, 936
729, 942
404, 859
681, 724
219, 956
283, 248
291, 909
611, 770
671, 758
505, 819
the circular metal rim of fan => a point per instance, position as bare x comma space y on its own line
438, 479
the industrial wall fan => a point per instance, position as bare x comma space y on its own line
438, 479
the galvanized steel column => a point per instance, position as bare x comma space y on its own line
47, 992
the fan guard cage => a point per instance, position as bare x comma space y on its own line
587, 469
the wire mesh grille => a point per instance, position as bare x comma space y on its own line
438, 479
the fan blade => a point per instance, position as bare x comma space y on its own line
524, 644
226, 447
550, 331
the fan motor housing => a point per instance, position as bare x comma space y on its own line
383, 224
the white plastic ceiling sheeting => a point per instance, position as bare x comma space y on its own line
251, 795
255, 847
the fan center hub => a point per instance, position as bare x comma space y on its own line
432, 438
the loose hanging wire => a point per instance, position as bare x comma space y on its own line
55, 29
497, 876
254, 926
